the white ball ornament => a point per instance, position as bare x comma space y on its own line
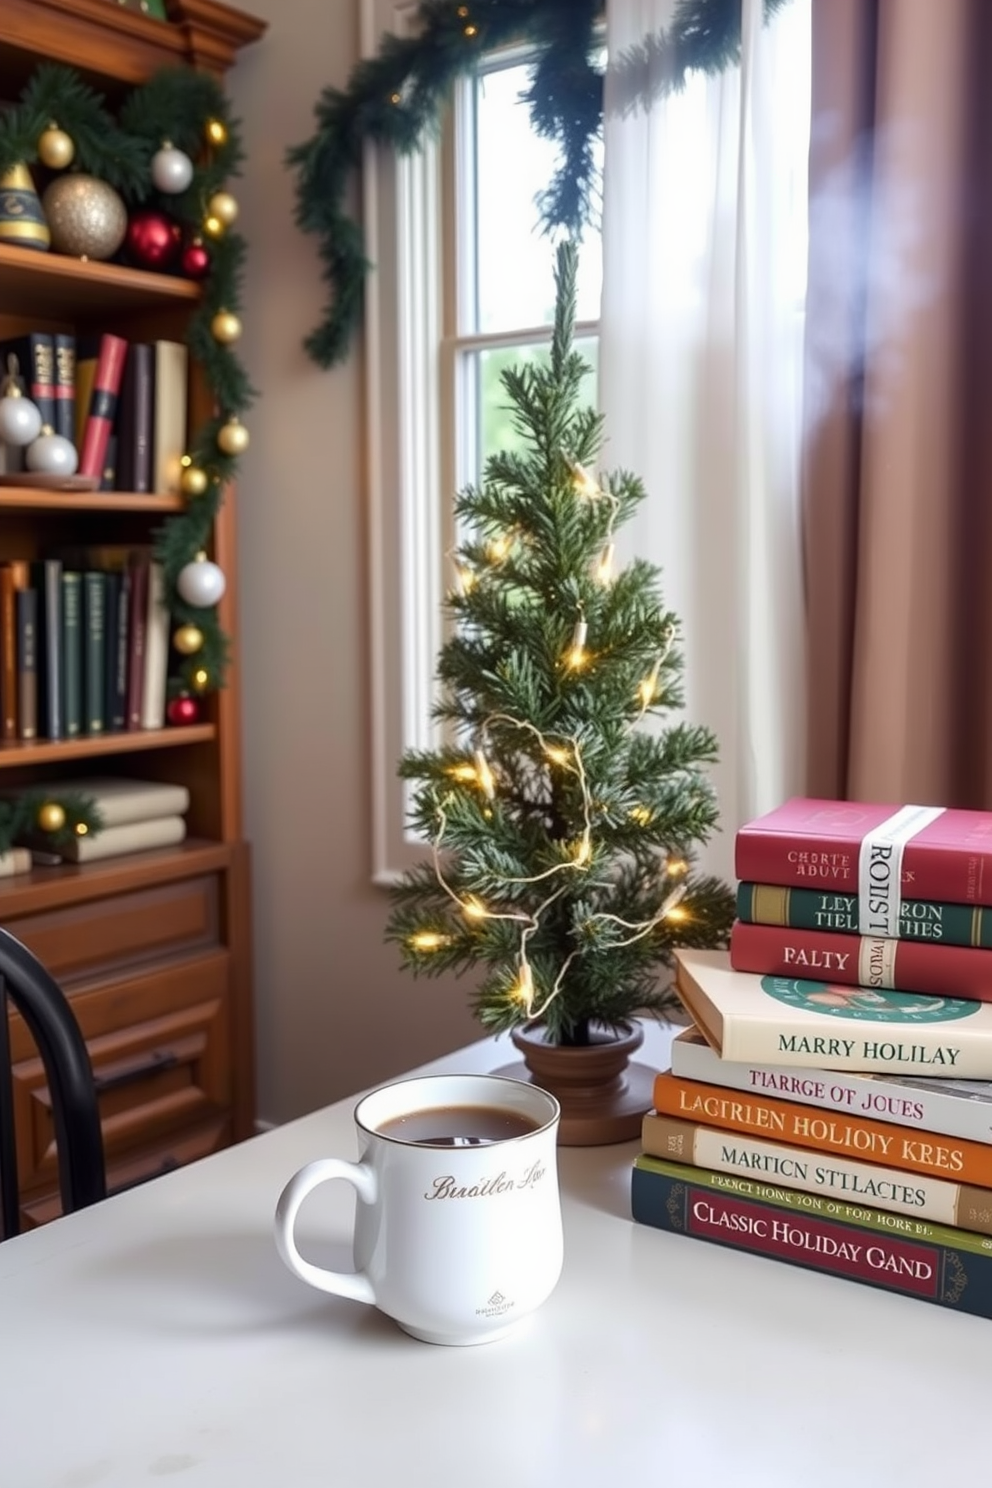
201, 583
51, 454
20, 420
172, 170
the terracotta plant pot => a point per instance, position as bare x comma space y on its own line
602, 1095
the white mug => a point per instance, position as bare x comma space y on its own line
456, 1243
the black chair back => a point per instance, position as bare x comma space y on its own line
79, 1144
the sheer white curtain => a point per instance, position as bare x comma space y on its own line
704, 259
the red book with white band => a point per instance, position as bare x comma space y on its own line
862, 961
110, 355
881, 853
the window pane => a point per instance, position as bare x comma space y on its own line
515, 279
496, 427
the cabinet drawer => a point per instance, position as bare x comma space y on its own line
139, 1167
107, 938
156, 1072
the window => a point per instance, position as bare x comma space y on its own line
462, 287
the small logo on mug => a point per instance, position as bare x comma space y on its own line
446, 1186
495, 1307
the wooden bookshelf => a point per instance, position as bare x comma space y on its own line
153, 948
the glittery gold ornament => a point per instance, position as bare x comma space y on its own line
225, 327
55, 148
85, 216
223, 206
193, 480
216, 132
51, 817
188, 639
232, 437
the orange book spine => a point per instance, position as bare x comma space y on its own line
822, 1130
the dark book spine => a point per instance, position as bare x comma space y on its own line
36, 367
64, 345
27, 663
948, 1276
134, 420
72, 655
117, 611
94, 652
8, 651
817, 909
103, 404
46, 576
137, 631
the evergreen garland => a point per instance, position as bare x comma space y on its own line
19, 818
397, 96
175, 105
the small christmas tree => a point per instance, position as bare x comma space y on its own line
562, 831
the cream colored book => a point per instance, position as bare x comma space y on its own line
789, 1021
114, 842
156, 660
15, 860
170, 406
121, 800
842, 1178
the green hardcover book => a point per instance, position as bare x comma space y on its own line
818, 909
72, 654
94, 652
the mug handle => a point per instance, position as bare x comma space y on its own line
352, 1284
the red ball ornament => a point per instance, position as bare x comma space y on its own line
182, 710
195, 261
153, 240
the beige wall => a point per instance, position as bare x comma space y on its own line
334, 1011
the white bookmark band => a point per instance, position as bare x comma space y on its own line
880, 869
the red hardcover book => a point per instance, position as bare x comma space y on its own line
881, 853
863, 960
110, 353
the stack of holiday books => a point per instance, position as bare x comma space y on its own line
135, 814
831, 1107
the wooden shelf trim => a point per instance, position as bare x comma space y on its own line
31, 498
50, 751
75, 883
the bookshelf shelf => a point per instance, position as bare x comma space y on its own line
44, 751
31, 498
54, 285
153, 939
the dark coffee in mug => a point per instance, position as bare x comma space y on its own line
458, 1126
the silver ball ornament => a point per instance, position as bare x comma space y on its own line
201, 583
172, 170
51, 454
20, 420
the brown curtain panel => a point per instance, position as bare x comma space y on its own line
897, 483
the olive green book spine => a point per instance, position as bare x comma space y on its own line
816, 909
72, 654
94, 652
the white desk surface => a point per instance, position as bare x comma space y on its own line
157, 1338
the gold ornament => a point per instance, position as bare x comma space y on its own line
51, 817
86, 217
193, 480
232, 437
200, 679
55, 148
21, 218
223, 206
225, 327
216, 132
188, 639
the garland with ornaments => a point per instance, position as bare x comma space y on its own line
397, 96
149, 183
38, 816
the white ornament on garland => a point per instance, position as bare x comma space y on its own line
172, 170
51, 454
20, 420
201, 583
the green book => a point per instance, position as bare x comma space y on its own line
94, 651
72, 654
823, 909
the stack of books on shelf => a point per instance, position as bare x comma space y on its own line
832, 1104
122, 404
84, 644
136, 815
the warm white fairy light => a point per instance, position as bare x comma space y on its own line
498, 547
577, 655
675, 867
484, 775
464, 579
603, 571
668, 910
584, 483
428, 940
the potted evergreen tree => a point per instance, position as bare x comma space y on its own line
562, 830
